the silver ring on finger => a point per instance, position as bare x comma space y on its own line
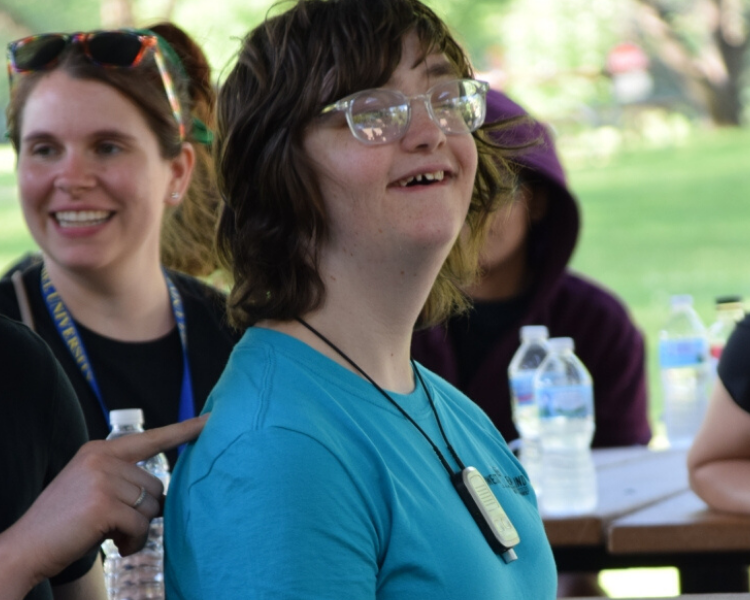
141, 497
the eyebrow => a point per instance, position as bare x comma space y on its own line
99, 134
439, 69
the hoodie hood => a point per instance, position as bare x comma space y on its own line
553, 239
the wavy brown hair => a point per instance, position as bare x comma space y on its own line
187, 236
274, 221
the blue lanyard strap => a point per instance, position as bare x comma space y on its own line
70, 336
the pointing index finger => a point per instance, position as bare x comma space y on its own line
140, 446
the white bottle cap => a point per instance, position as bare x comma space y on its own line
126, 416
681, 300
532, 332
561, 343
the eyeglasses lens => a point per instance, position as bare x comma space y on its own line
114, 48
379, 116
38, 52
382, 116
457, 106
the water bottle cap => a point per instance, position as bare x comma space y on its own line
561, 343
728, 300
681, 300
530, 332
126, 416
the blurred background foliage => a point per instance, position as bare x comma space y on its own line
557, 57
550, 54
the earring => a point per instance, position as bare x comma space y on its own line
175, 196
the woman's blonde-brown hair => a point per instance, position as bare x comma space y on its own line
274, 222
187, 236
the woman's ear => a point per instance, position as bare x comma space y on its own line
182, 169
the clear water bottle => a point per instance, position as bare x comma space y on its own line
140, 575
729, 312
523, 366
685, 372
565, 398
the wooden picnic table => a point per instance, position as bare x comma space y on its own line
627, 479
647, 516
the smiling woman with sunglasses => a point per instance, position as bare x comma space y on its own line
331, 466
116, 182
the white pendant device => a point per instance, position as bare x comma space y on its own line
487, 512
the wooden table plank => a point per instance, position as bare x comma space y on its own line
628, 479
680, 524
607, 457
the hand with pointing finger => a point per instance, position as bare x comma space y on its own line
101, 493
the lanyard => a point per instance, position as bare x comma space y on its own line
69, 334
482, 504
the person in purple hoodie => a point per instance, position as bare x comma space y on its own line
526, 281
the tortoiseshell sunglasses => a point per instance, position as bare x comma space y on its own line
121, 48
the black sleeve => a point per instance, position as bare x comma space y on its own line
68, 435
42, 429
734, 365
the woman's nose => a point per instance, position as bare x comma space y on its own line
76, 174
423, 132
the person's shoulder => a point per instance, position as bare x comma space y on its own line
195, 288
592, 296
744, 324
8, 299
452, 395
205, 305
30, 274
20, 345
34, 373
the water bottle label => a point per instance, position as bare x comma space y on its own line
522, 387
684, 352
574, 401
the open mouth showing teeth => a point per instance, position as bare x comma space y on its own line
82, 218
422, 179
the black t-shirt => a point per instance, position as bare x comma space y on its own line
475, 333
41, 429
146, 375
734, 366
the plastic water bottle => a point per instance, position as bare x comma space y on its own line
565, 398
685, 371
729, 312
526, 360
140, 575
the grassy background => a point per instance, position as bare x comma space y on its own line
669, 221
655, 223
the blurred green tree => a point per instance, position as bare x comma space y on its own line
706, 43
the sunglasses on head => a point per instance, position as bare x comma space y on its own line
382, 116
119, 49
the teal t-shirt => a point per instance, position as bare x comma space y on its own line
306, 483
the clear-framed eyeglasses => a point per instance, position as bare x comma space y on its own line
382, 116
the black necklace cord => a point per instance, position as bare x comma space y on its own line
460, 464
396, 404
470, 485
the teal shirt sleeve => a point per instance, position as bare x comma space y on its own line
275, 506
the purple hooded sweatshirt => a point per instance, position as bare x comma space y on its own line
606, 340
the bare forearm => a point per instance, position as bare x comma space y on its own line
724, 484
17, 565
